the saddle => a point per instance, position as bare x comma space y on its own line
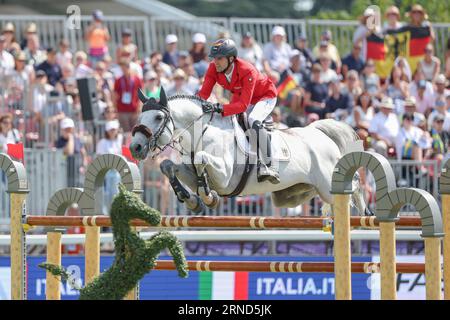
280, 149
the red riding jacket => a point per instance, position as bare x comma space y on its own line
247, 85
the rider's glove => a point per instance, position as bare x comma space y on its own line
212, 107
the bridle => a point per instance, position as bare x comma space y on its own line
151, 104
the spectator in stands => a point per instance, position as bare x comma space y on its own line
339, 104
125, 96
440, 139
104, 88
64, 56
316, 93
440, 108
403, 64
251, 51
110, 144
353, 84
6, 59
276, 53
68, 140
330, 48
192, 81
300, 77
128, 45
82, 70
135, 68
8, 134
156, 62
366, 26
97, 36
170, 56
371, 81
411, 142
41, 90
430, 65
327, 74
384, 127
35, 55
410, 108
108, 77
397, 89
302, 45
30, 31
10, 40
441, 91
179, 84
414, 85
151, 85
51, 67
198, 51
392, 22
424, 101
419, 18
68, 80
353, 60
362, 116
21, 79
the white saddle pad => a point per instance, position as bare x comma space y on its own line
280, 149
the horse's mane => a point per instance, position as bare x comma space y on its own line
187, 97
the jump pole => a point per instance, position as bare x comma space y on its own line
342, 253
18, 190
388, 261
444, 189
52, 283
92, 254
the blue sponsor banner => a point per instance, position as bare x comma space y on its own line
166, 285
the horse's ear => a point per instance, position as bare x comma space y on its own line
142, 96
162, 97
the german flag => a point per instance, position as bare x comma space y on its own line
408, 42
285, 86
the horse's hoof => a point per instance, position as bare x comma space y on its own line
195, 204
368, 213
215, 200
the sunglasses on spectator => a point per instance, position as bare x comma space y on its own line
439, 121
7, 122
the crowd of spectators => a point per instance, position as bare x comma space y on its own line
404, 116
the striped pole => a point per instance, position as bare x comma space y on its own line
219, 222
286, 266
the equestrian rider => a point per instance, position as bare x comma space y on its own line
253, 93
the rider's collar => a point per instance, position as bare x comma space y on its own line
230, 75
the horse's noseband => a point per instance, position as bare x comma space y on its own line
146, 131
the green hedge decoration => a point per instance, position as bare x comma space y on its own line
134, 257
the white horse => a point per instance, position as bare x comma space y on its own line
213, 164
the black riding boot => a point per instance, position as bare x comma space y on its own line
265, 169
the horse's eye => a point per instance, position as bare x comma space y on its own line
158, 117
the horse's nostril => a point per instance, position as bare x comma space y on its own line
137, 148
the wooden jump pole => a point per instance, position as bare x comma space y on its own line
18, 247
433, 274
18, 189
286, 266
388, 261
92, 254
52, 284
446, 247
342, 253
220, 222
444, 188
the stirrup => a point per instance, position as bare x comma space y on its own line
269, 175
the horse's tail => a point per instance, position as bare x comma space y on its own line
341, 133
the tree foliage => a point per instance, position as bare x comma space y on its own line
438, 10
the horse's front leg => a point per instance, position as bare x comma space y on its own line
175, 173
210, 170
